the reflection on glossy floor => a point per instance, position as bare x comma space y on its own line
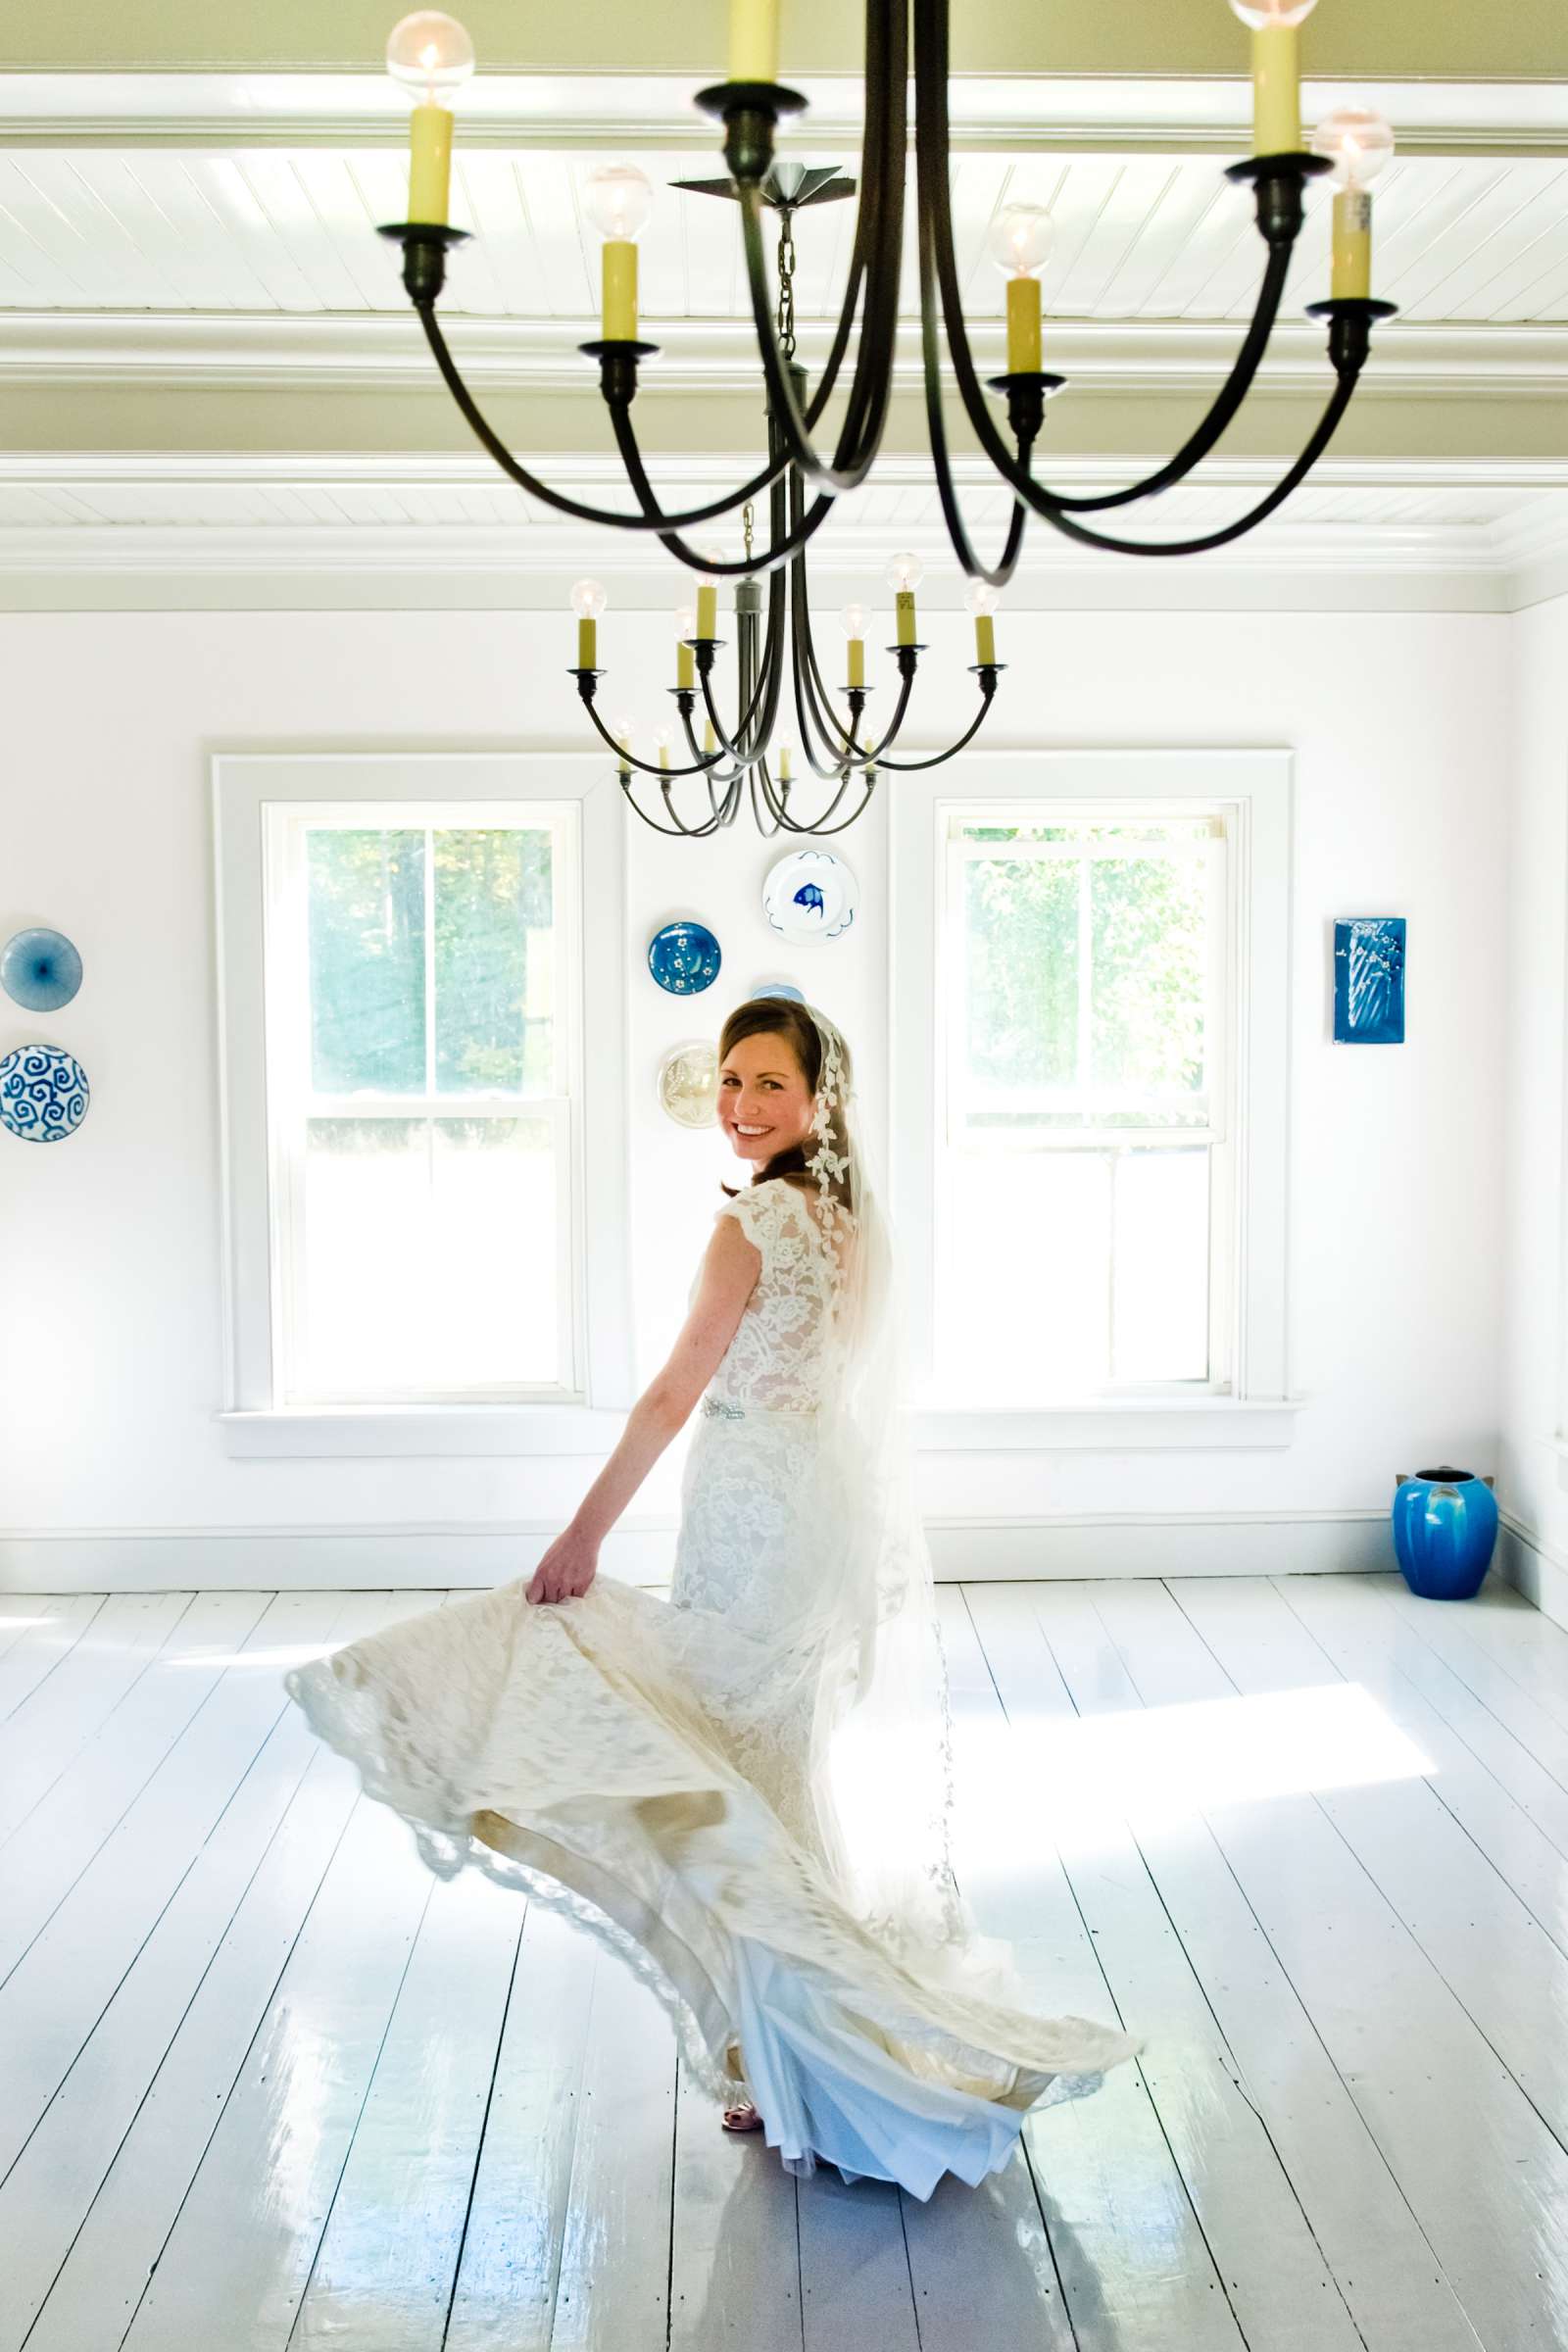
265, 2083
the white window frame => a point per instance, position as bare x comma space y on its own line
1250, 1403
249, 789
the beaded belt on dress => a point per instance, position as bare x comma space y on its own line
714, 1409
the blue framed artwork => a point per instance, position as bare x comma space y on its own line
1369, 980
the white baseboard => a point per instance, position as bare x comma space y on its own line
974, 1549
1533, 1567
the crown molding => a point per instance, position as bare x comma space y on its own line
1300, 568
1031, 113
254, 351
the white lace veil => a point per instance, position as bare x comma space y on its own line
890, 1747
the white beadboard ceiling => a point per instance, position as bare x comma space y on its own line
180, 256
291, 231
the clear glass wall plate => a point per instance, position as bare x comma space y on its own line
688, 1083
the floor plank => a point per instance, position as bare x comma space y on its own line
1277, 2280
266, 2084
417, 2138
1453, 1897
1129, 2248
86, 2208
1412, 2059
1349, 2200
44, 1857
510, 2263
42, 1647
735, 2267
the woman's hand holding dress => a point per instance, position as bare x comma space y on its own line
567, 1569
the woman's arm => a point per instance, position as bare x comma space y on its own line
730, 1272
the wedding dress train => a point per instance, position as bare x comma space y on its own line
660, 1771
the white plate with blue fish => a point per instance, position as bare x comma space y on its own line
810, 895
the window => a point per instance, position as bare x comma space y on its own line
1089, 1013
420, 1102
1081, 1100
416, 1146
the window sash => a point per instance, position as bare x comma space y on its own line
293, 1101
1220, 857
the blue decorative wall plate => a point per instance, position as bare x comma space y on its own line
684, 958
1369, 980
780, 988
40, 969
810, 895
44, 1094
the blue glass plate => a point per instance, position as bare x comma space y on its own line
684, 958
780, 988
40, 969
44, 1094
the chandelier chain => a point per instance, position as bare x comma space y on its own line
785, 320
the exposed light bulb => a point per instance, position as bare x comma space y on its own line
430, 55
618, 200
1358, 143
905, 572
588, 599
1019, 239
981, 598
620, 728
853, 620
686, 623
1261, 14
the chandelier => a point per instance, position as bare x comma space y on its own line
432, 56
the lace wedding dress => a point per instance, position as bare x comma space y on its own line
661, 1772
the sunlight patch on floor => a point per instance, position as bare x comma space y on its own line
1028, 1782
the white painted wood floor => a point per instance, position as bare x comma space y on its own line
265, 2083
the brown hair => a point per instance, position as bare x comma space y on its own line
779, 1016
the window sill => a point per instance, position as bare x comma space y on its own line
1132, 1425
1112, 1425
344, 1432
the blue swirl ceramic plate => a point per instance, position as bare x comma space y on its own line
810, 895
44, 1094
40, 969
684, 958
780, 988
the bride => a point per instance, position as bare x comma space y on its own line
744, 1791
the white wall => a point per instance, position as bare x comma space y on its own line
109, 1366
1535, 1472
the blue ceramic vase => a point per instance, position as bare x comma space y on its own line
1445, 1529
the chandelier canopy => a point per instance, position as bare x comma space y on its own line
801, 480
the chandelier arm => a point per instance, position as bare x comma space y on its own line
713, 776
711, 566
1327, 426
676, 831
878, 246
815, 726
931, 150
783, 822
812, 703
1024, 411
629, 759
988, 690
689, 518
750, 728
1232, 393
866, 413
